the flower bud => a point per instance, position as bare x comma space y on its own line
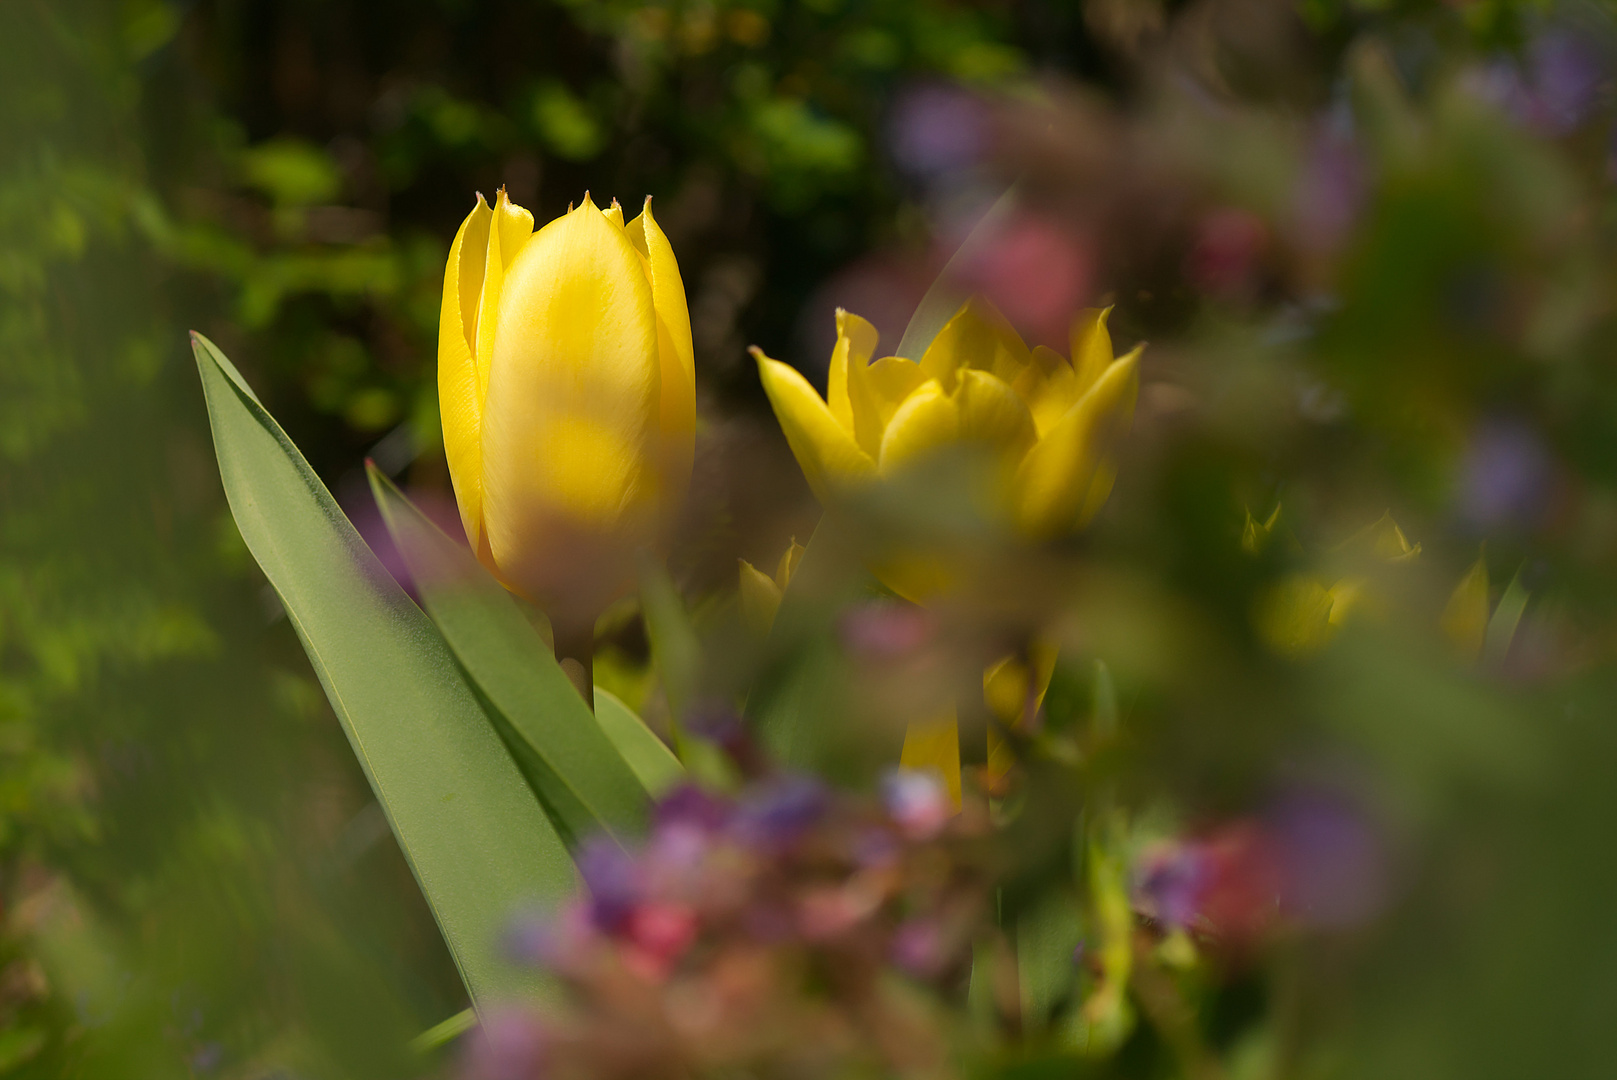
567, 386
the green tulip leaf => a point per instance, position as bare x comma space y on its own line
577, 772
478, 842
675, 650
650, 758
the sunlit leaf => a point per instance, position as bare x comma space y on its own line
475, 837
574, 768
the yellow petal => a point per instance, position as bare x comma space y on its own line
934, 745
992, 414
1465, 618
459, 398
825, 451
1091, 346
856, 342
760, 598
571, 438
614, 214
676, 357
788, 564
1048, 385
977, 337
928, 419
509, 231
1054, 481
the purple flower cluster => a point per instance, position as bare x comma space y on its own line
789, 929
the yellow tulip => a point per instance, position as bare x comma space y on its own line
567, 387
1051, 422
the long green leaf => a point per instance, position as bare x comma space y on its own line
573, 767
649, 757
477, 840
675, 650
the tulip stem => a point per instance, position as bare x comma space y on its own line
575, 651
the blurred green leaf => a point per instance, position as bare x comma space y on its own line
573, 767
653, 763
291, 172
477, 840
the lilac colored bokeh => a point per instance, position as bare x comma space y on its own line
508, 1045
938, 130
1505, 476
1333, 863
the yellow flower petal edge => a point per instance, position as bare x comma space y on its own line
459, 396
1053, 484
677, 357
825, 451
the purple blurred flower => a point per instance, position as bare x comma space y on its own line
691, 806
917, 801
1330, 191
938, 130
1567, 72
613, 880
1553, 88
778, 812
1505, 476
508, 1045
1170, 881
1332, 863
918, 948
885, 630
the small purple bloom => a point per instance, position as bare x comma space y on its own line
1506, 476
613, 880
207, 1057
692, 806
779, 812
508, 1045
1169, 883
938, 130
1332, 862
1567, 72
917, 947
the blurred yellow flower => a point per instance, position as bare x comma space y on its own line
567, 387
1051, 423
761, 594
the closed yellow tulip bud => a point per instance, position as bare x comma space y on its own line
1052, 422
567, 386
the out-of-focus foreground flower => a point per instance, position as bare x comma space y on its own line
789, 931
567, 386
1049, 422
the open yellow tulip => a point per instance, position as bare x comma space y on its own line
1052, 422
567, 387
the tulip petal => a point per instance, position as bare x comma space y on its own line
934, 746
614, 214
856, 342
992, 414
459, 398
760, 598
1091, 346
1049, 386
1054, 481
570, 428
676, 357
928, 419
977, 337
825, 452
509, 231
